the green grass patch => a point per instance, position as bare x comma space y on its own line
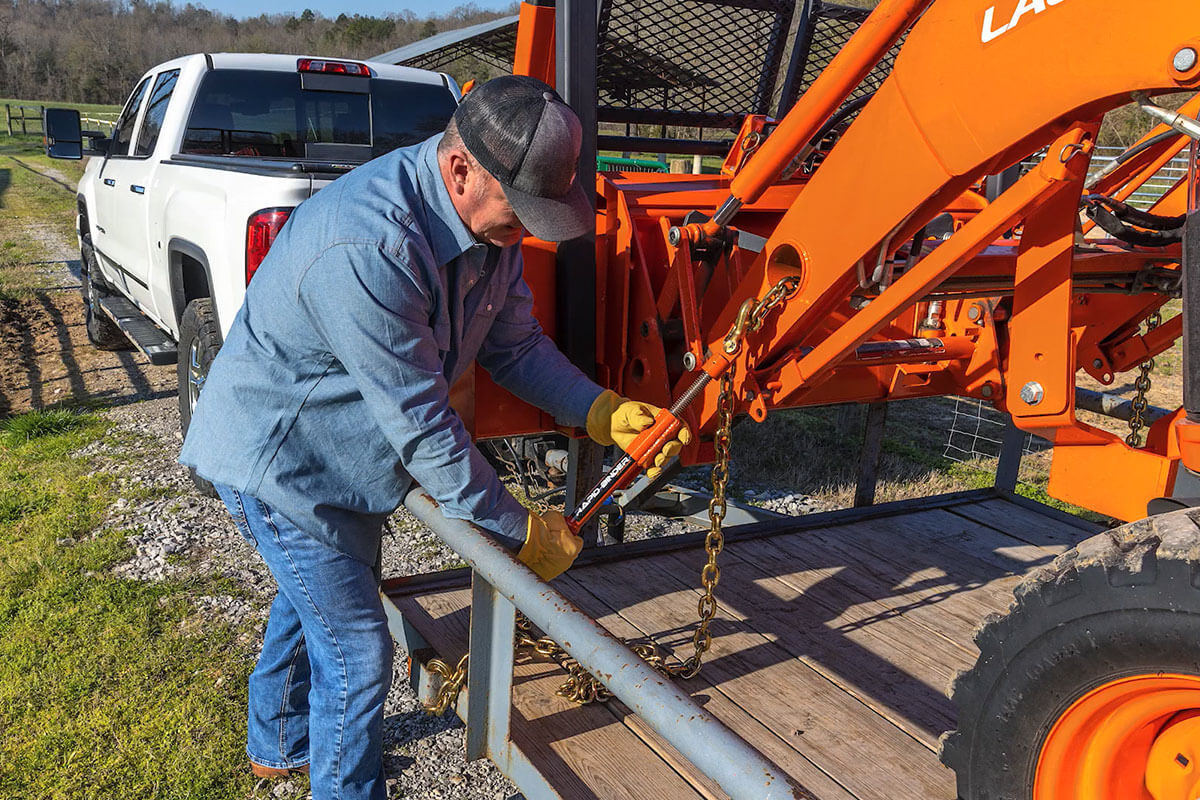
37, 424
37, 204
109, 688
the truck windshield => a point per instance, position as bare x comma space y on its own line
270, 114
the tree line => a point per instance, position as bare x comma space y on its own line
93, 51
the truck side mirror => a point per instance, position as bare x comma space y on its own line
63, 136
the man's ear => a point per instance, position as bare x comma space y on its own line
460, 169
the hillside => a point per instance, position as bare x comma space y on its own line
94, 50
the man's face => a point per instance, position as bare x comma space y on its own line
491, 218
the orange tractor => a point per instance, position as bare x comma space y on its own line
873, 245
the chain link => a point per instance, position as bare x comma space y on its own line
778, 293
1138, 419
581, 686
452, 683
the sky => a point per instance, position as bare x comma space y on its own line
331, 8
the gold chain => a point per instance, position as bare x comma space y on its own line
581, 686
1138, 420
714, 542
452, 682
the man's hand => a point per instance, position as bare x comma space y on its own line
550, 547
617, 420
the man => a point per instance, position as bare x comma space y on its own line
330, 398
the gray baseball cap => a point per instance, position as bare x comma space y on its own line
527, 138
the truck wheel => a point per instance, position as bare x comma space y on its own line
1089, 687
199, 341
102, 332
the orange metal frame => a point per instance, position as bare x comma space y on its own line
1024, 300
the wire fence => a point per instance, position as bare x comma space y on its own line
977, 431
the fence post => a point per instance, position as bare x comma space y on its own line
24, 132
868, 461
8, 117
42, 119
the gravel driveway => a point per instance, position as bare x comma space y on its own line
177, 532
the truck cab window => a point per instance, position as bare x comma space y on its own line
123, 133
156, 110
407, 113
272, 114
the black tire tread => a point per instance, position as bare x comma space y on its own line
102, 332
198, 320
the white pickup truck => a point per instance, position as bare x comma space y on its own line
210, 155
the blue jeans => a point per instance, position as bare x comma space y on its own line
317, 694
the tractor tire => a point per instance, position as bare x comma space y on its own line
1115, 619
199, 341
102, 332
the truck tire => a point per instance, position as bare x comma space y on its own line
102, 332
199, 341
1110, 626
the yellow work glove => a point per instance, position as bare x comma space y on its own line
618, 420
550, 547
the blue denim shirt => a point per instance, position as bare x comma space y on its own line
331, 392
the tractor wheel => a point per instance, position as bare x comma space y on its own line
1089, 687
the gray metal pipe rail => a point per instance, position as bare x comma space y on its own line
500, 583
1115, 406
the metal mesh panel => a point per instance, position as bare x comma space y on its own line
700, 63
495, 48
977, 431
831, 27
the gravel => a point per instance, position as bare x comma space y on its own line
175, 533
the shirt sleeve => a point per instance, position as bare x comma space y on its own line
374, 317
526, 362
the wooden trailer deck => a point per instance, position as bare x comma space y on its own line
833, 652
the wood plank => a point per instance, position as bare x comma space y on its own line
571, 745
868, 755
1026, 524
768, 742
954, 570
898, 669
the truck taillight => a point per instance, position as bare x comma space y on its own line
261, 230
337, 67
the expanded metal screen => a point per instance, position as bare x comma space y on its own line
693, 63
495, 48
699, 64
830, 27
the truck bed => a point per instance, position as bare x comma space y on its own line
834, 649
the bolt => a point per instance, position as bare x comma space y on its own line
1032, 393
674, 236
1185, 60
975, 312
1097, 363
689, 361
986, 390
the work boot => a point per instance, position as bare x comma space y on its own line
276, 772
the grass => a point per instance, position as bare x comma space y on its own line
108, 687
822, 459
36, 194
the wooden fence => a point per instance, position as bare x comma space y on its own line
15, 115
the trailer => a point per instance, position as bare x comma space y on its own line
871, 236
